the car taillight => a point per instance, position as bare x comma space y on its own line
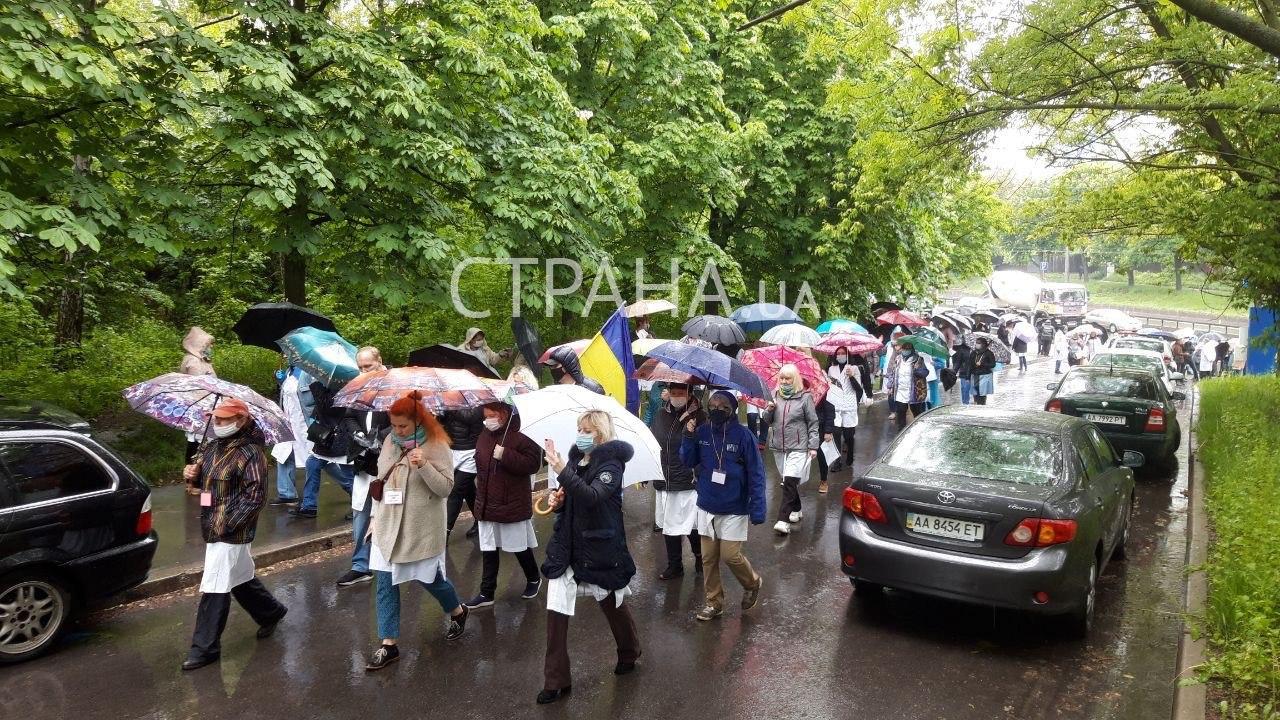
864, 505
1054, 405
1041, 532
1155, 420
143, 525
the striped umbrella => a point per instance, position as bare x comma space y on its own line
439, 389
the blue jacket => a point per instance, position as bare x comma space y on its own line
742, 492
589, 535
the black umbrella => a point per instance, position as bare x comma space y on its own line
528, 343
884, 305
714, 329
985, 316
265, 323
449, 357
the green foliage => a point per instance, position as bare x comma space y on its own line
1239, 434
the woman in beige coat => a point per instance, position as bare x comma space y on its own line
415, 471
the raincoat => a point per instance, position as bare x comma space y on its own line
487, 356
195, 348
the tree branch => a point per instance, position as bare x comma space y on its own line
1235, 23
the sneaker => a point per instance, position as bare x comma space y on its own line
796, 516
301, 513
479, 601
546, 697
782, 528
382, 657
531, 589
751, 596
354, 577
671, 573
266, 631
280, 502
710, 612
458, 624
822, 488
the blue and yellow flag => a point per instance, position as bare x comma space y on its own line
608, 361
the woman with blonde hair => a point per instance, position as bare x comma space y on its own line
587, 555
793, 421
415, 476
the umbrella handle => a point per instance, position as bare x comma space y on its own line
542, 508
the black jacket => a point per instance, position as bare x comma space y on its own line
864, 371
981, 362
333, 427
589, 534
569, 362
668, 429
960, 361
367, 439
463, 426
826, 418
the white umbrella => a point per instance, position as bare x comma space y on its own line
1024, 331
791, 335
553, 412
649, 307
644, 345
1184, 333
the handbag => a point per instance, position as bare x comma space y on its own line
376, 486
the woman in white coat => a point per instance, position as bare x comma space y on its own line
1058, 350
844, 393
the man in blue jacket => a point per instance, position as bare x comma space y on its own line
730, 484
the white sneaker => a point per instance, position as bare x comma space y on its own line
782, 528
796, 516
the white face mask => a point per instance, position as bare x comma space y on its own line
492, 425
679, 402
225, 431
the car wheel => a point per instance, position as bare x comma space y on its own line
867, 590
1121, 552
34, 610
1080, 622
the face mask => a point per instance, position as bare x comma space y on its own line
719, 416
787, 389
492, 424
842, 359
557, 373
906, 354
207, 354
679, 402
585, 442
225, 431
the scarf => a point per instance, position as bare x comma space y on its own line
419, 437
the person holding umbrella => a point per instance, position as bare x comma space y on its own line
675, 497
792, 418
298, 406
371, 429
845, 393
230, 472
906, 381
1058, 350
464, 427
981, 364
587, 555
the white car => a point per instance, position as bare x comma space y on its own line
1113, 320
1138, 342
1142, 359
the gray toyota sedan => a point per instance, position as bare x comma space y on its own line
1014, 509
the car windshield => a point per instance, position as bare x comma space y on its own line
1097, 383
1140, 362
1007, 455
1136, 344
1072, 296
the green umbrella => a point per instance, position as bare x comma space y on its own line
926, 346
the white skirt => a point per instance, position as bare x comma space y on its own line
563, 593
675, 512
732, 528
424, 571
226, 565
509, 537
793, 463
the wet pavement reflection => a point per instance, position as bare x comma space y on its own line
810, 650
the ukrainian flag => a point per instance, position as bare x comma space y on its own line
608, 361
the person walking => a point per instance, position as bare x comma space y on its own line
330, 436
793, 436
298, 406
981, 364
197, 359
960, 359
906, 381
1045, 335
1059, 350
1095, 344
1020, 350
731, 493
371, 429
464, 428
846, 392
587, 555
826, 432
675, 496
415, 474
505, 463
230, 472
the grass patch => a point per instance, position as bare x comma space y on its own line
1151, 291
1239, 433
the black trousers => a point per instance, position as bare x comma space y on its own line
900, 410
844, 437
556, 666
675, 555
790, 498
211, 614
489, 569
464, 490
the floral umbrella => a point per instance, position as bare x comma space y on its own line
657, 371
185, 401
998, 348
900, 317
856, 343
767, 361
439, 389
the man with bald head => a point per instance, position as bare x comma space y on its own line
370, 430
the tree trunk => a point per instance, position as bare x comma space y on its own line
293, 271
1084, 267
1235, 23
69, 328
1177, 271
1129, 272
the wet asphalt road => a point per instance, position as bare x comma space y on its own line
808, 651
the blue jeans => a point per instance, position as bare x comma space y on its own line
966, 388
388, 602
359, 546
285, 477
344, 474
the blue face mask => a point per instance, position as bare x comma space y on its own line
585, 442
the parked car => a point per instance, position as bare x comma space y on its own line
75, 525
1014, 509
1161, 365
1138, 342
1130, 406
1113, 321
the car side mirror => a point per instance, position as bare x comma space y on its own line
1177, 376
1178, 396
1132, 459
1051, 386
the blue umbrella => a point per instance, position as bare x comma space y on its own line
323, 354
841, 325
711, 366
761, 316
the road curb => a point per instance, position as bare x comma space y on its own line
1190, 700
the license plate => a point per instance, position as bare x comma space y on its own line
1105, 419
944, 527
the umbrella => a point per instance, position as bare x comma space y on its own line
931, 334
985, 316
323, 354
883, 306
262, 325
927, 346
451, 358
1085, 330
900, 317
998, 348
649, 307
185, 401
439, 389
959, 319
841, 325
760, 317
767, 361
714, 329
527, 342
578, 347
791, 335
1158, 333
552, 414
655, 370
644, 345
1215, 337
1024, 331
1011, 317
711, 367
1183, 333
940, 321
856, 343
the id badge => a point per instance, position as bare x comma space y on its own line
392, 497
717, 477
206, 499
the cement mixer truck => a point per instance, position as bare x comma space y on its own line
1064, 303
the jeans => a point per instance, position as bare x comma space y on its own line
360, 528
388, 601
966, 390
464, 490
344, 474
286, 476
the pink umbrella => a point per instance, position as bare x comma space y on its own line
901, 317
439, 389
658, 371
855, 343
767, 361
